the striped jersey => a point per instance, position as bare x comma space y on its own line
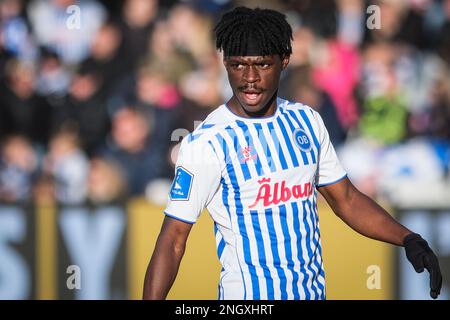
258, 178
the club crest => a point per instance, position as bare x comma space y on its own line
302, 140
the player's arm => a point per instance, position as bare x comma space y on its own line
365, 216
196, 181
166, 258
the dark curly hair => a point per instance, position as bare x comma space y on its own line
244, 31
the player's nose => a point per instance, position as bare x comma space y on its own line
251, 74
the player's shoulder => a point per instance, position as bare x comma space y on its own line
298, 106
207, 129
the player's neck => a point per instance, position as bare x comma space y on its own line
267, 111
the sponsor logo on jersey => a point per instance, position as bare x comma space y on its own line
181, 186
247, 154
273, 194
302, 140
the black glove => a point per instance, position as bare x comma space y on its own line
421, 256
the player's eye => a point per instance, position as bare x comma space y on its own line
237, 66
264, 65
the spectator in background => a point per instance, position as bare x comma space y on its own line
424, 159
335, 62
319, 15
298, 86
18, 169
133, 148
384, 111
432, 120
69, 167
137, 21
191, 34
154, 88
443, 46
15, 31
440, 107
159, 95
392, 15
383, 117
405, 22
57, 28
106, 57
297, 83
136, 24
85, 109
201, 92
438, 116
303, 44
190, 83
105, 182
5, 56
413, 29
53, 78
201, 87
351, 21
163, 52
22, 111
336, 71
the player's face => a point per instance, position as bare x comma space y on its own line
254, 80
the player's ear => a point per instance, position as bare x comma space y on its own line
284, 61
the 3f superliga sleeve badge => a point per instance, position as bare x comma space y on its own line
181, 186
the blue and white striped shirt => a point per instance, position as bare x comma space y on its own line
258, 177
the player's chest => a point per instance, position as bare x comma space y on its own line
258, 153
272, 189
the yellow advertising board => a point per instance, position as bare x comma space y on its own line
352, 263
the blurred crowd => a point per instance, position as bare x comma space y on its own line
96, 95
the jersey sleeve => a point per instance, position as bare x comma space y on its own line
196, 180
330, 169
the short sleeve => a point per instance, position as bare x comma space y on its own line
196, 180
330, 169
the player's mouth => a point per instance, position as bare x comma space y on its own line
251, 96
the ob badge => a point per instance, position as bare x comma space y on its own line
181, 186
302, 140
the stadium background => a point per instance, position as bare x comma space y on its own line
95, 96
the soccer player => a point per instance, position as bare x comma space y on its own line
257, 164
